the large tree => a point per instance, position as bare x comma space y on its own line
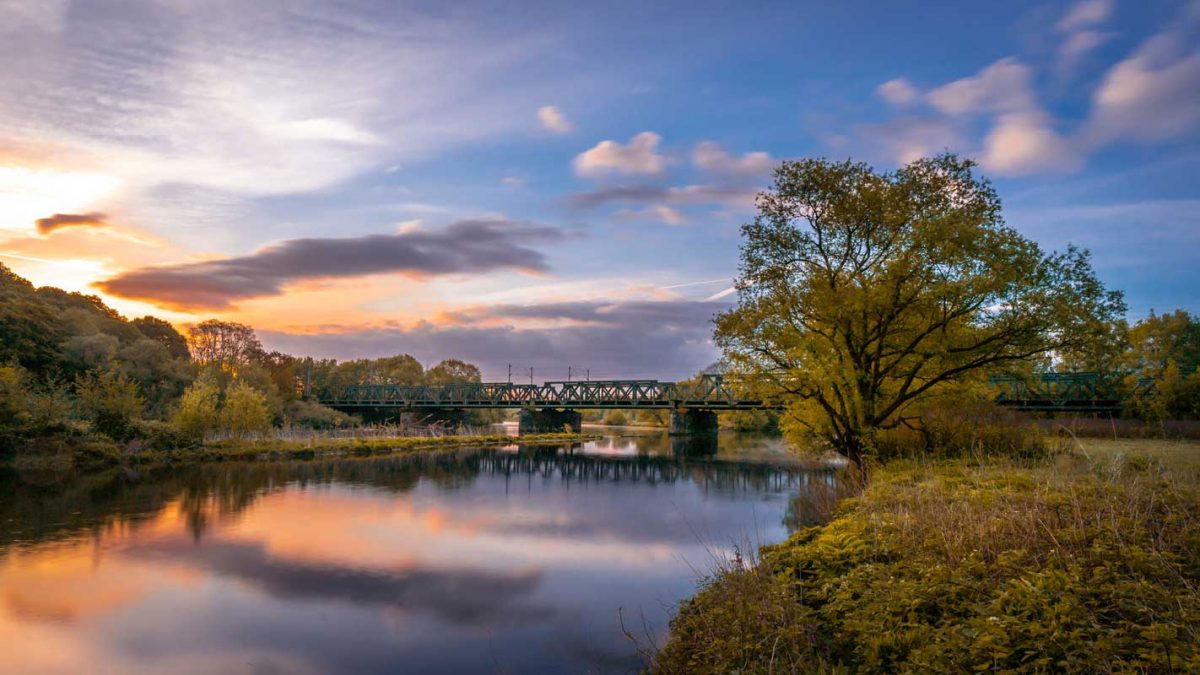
862, 292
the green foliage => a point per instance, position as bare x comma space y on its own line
860, 293
245, 410
954, 568
14, 400
197, 412
165, 334
1165, 350
111, 401
452, 371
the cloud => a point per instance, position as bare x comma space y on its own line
711, 156
235, 104
662, 214
738, 196
1078, 27
553, 120
667, 339
639, 156
1084, 14
1003, 86
1154, 94
465, 247
60, 220
1022, 138
910, 138
898, 92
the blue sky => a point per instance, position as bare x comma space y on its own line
548, 185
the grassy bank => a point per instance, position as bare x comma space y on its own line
1085, 562
98, 452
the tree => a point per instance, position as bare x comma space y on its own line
111, 401
165, 334
453, 371
197, 411
223, 342
1164, 349
861, 293
245, 410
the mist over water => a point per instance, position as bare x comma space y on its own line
521, 559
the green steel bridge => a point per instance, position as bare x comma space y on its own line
551, 405
709, 392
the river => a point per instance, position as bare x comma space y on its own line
510, 560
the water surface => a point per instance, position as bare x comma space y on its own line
517, 560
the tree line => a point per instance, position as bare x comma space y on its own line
71, 366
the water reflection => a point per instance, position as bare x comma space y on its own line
472, 561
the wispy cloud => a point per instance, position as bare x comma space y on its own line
553, 120
736, 195
465, 247
711, 156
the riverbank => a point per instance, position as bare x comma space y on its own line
1085, 562
92, 452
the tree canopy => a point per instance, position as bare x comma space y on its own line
861, 292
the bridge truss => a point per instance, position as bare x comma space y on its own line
1046, 392
709, 392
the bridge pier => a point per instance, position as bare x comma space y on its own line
548, 421
685, 422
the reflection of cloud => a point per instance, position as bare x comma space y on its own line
461, 596
465, 247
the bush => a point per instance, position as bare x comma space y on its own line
245, 410
161, 436
197, 411
615, 418
965, 428
310, 415
111, 401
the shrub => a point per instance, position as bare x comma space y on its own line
111, 401
615, 418
197, 411
161, 436
310, 415
965, 427
245, 410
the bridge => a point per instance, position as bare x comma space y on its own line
553, 406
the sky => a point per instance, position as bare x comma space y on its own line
556, 185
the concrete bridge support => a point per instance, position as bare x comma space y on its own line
685, 422
548, 421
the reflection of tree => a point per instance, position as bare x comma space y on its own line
815, 503
38, 508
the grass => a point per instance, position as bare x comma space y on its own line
1088, 561
93, 452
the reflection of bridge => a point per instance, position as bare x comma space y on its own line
553, 406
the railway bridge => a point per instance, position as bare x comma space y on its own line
693, 405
